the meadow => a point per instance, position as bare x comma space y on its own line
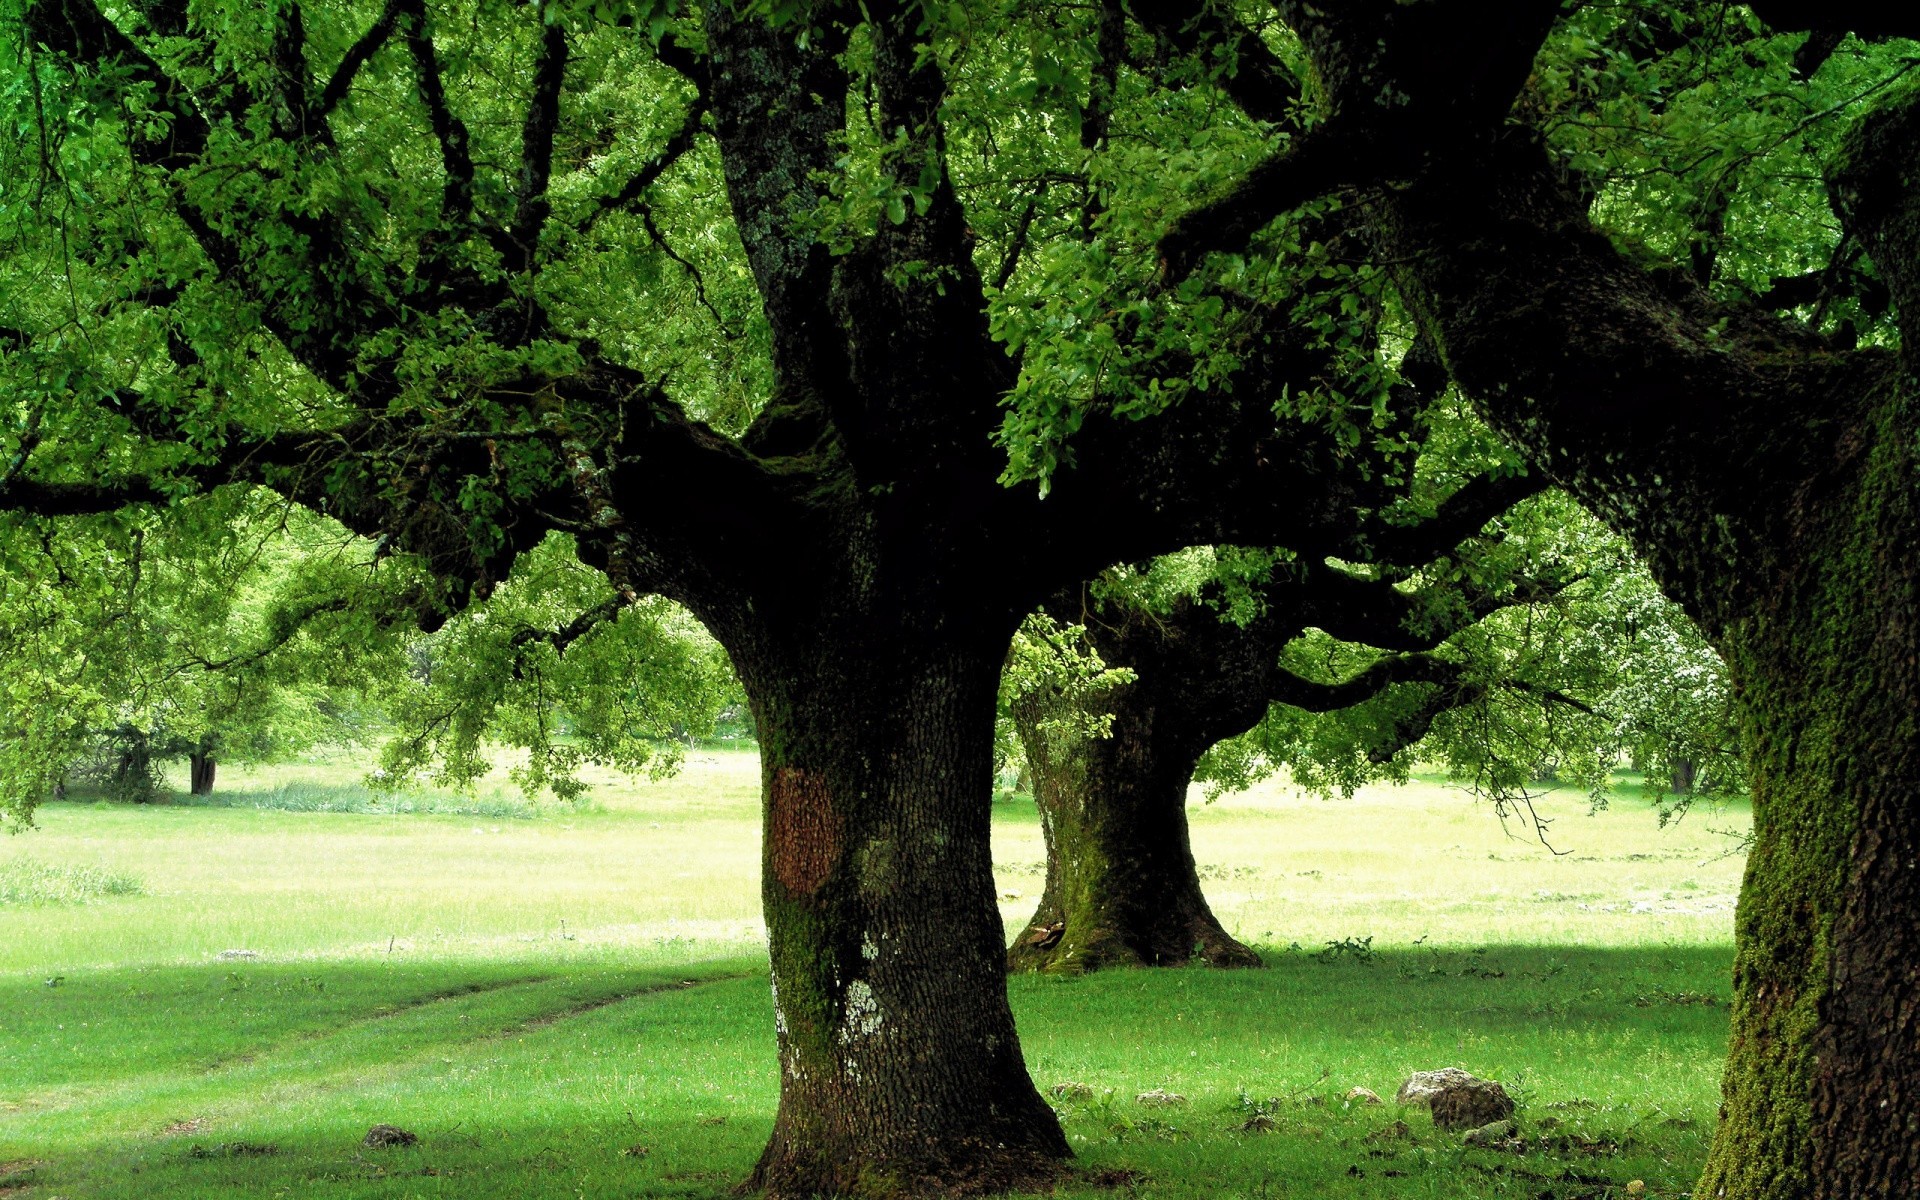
219, 1000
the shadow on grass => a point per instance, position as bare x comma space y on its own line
607, 1081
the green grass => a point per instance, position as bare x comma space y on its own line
24, 881
576, 1005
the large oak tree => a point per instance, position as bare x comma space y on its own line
704, 290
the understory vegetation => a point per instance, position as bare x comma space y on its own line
575, 1004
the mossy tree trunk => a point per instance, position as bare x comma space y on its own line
1122, 887
900, 1066
1768, 476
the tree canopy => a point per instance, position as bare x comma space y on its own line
861, 330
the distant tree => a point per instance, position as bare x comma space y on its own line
1511, 653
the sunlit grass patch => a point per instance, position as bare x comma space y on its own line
577, 1005
358, 798
30, 881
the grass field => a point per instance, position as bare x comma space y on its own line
219, 1001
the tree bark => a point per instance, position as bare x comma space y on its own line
1823, 1072
900, 1068
200, 770
1121, 886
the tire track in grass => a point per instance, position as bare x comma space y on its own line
71, 1094
372, 1049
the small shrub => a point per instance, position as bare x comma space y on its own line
27, 881
1358, 949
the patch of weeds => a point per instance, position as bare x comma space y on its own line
1440, 966
293, 797
1662, 995
1212, 871
1360, 950
1120, 1122
233, 1150
29, 881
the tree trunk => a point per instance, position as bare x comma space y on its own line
200, 768
1684, 770
1769, 480
900, 1070
1121, 881
1822, 1085
1122, 889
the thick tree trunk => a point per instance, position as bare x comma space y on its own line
1772, 484
1681, 778
1822, 1088
200, 769
1121, 881
1122, 888
900, 1070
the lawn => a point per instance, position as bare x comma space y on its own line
203, 1001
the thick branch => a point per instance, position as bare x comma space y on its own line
1458, 518
456, 203
635, 189
1313, 696
76, 499
1868, 18
536, 147
1235, 58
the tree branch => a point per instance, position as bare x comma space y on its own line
356, 57
456, 161
536, 147
1236, 60
635, 188
1459, 517
1312, 696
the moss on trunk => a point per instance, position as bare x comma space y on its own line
900, 1068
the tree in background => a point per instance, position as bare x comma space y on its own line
1539, 648
237, 628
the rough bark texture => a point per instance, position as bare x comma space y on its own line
1121, 880
900, 1067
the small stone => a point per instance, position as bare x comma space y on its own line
1363, 1095
1492, 1134
1422, 1086
1159, 1097
382, 1136
1070, 1090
